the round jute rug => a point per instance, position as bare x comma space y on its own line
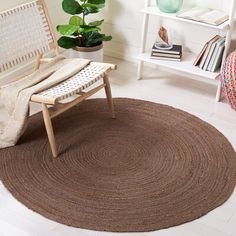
151, 168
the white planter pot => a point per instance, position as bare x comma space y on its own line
91, 53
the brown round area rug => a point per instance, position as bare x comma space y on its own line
151, 168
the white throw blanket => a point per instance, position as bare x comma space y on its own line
15, 97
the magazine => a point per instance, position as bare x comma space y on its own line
205, 15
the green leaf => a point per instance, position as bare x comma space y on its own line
85, 5
96, 1
100, 6
94, 38
76, 20
91, 10
72, 7
99, 3
67, 43
107, 38
87, 28
96, 23
67, 29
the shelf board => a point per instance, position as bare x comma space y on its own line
186, 65
155, 11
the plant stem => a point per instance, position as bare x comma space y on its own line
83, 18
85, 1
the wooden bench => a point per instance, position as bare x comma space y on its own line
27, 34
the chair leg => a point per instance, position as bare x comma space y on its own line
49, 129
109, 96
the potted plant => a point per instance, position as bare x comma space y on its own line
85, 38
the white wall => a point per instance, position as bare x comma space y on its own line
123, 21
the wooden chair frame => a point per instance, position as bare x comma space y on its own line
56, 107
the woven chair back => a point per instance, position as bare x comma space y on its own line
25, 32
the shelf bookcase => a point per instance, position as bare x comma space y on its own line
186, 65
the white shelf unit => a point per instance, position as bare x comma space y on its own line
186, 65
154, 10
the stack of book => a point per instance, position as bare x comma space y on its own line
210, 57
173, 54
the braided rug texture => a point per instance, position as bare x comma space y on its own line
151, 168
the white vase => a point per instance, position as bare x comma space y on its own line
91, 53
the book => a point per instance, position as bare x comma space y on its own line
218, 44
177, 49
193, 13
205, 55
210, 54
218, 60
165, 58
214, 17
157, 54
200, 55
205, 15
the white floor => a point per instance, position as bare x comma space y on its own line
194, 97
